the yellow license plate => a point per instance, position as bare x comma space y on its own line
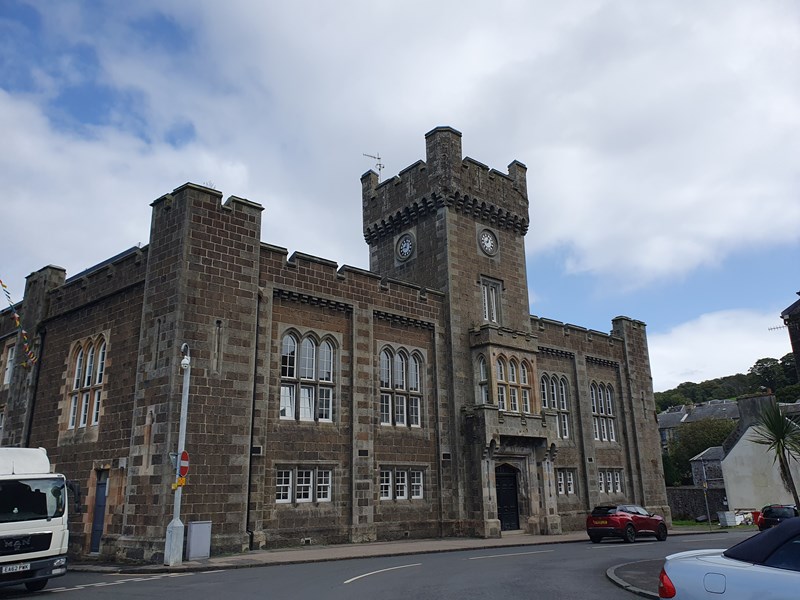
600, 522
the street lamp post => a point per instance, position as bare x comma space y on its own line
705, 492
173, 547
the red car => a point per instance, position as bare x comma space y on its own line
626, 521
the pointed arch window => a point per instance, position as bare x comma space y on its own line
604, 422
483, 381
307, 379
401, 388
502, 386
87, 373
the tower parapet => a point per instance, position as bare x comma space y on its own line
445, 178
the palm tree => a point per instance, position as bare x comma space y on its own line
781, 435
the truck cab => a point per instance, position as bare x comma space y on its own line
34, 532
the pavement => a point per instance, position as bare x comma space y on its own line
639, 577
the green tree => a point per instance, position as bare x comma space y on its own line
769, 373
690, 440
781, 435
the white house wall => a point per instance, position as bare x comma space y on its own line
752, 477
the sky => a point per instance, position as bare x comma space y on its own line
662, 141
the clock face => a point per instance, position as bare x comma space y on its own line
488, 242
405, 246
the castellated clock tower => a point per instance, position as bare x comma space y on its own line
457, 226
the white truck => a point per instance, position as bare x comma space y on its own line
34, 533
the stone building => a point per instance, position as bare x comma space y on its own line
331, 404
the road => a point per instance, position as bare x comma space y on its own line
555, 571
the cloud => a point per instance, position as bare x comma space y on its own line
715, 345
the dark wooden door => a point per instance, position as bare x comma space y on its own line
507, 508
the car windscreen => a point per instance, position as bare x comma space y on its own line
31, 499
779, 512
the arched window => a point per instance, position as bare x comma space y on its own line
525, 390
308, 359
563, 408
400, 380
603, 418
307, 383
502, 387
483, 381
288, 356
513, 388
88, 376
545, 385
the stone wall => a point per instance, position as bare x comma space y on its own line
687, 503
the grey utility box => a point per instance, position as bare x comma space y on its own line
198, 540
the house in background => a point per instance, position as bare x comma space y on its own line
670, 419
751, 475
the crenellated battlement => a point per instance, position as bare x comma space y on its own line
445, 179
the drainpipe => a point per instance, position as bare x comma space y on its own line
252, 425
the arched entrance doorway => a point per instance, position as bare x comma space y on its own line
507, 504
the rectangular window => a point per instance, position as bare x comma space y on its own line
603, 430
303, 488
283, 486
413, 411
73, 411
386, 409
617, 481
416, 485
570, 482
287, 402
483, 391
325, 408
491, 304
609, 484
563, 425
84, 408
323, 485
386, 485
526, 401
9, 370
399, 410
96, 409
561, 482
501, 397
612, 434
601, 481
306, 403
596, 424
513, 399
400, 485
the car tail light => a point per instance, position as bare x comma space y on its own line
665, 587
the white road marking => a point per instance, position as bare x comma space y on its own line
509, 554
627, 546
382, 571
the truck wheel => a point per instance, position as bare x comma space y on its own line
36, 586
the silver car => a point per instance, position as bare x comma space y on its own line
765, 566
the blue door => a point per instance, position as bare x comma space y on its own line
99, 510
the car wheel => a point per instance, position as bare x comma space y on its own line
630, 534
36, 586
661, 533
596, 539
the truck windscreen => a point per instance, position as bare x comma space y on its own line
30, 499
